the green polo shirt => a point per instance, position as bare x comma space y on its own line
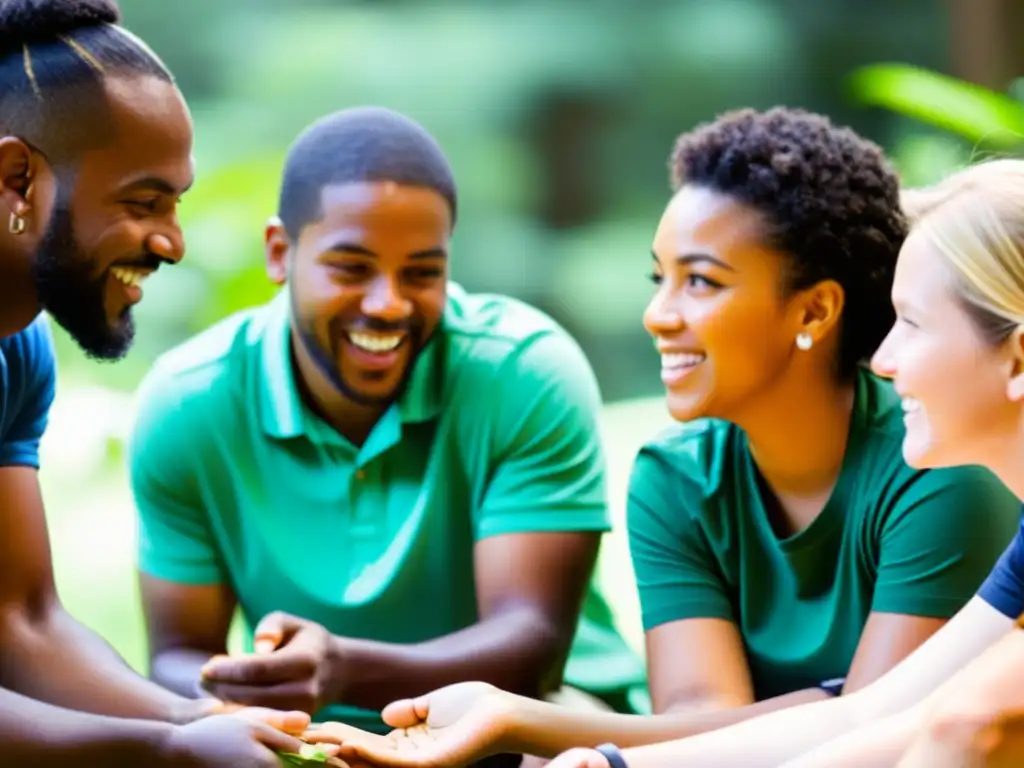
236, 481
891, 539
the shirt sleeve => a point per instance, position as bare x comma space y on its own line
32, 377
677, 575
547, 465
175, 540
1004, 587
941, 540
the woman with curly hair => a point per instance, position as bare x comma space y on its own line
784, 551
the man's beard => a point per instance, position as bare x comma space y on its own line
326, 359
70, 293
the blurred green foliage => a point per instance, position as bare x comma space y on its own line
558, 117
965, 109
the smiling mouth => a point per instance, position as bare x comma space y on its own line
679, 362
376, 343
133, 278
676, 366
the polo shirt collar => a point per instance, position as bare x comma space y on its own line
282, 412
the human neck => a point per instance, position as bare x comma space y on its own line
798, 433
1003, 455
19, 304
352, 420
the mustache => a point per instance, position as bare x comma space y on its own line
376, 325
146, 261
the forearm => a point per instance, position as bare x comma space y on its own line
878, 744
515, 651
55, 659
769, 740
543, 729
44, 736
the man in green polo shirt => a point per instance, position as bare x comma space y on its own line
399, 483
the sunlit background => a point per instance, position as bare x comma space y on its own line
558, 117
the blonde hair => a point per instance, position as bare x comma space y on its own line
974, 219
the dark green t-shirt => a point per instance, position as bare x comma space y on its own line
891, 539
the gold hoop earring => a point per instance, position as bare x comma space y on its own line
17, 224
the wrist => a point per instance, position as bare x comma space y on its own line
519, 724
185, 711
154, 744
612, 754
338, 660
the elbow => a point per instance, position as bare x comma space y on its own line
541, 647
672, 696
32, 614
26, 632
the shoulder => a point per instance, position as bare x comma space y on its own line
677, 473
692, 456
31, 374
29, 383
1004, 587
495, 340
30, 353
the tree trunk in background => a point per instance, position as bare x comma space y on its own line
985, 41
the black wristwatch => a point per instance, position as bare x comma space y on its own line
612, 754
833, 687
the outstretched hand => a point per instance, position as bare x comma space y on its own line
453, 726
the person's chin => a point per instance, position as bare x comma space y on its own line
920, 454
375, 392
685, 407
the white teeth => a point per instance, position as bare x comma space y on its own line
681, 360
372, 343
129, 276
910, 405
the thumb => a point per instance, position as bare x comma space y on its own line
294, 722
276, 740
407, 713
270, 632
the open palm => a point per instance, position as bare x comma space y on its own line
447, 728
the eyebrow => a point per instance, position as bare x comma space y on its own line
686, 259
156, 184
359, 250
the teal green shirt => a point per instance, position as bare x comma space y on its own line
891, 539
236, 481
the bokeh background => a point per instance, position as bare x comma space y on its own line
558, 117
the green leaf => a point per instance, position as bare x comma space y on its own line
311, 753
969, 110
